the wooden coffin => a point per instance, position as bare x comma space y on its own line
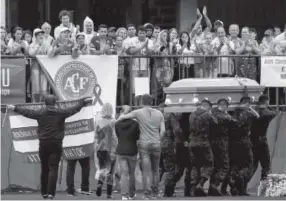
184, 95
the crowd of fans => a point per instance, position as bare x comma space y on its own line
214, 42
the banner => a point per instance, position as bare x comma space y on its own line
273, 71
88, 75
79, 132
13, 81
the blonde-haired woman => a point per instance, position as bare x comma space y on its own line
122, 32
105, 146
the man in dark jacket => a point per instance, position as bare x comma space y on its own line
128, 134
168, 155
240, 146
200, 150
219, 145
51, 122
258, 137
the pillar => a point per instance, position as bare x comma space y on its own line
186, 14
81, 11
3, 13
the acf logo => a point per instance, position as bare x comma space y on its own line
75, 80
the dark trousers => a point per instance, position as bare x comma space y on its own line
261, 155
50, 152
85, 170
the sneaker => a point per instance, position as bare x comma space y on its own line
45, 196
72, 194
84, 192
109, 197
124, 198
132, 197
50, 197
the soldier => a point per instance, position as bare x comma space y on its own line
219, 145
240, 146
258, 137
168, 150
200, 150
183, 154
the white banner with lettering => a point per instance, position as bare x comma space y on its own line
273, 71
88, 75
94, 76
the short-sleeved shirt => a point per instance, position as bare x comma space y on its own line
68, 49
99, 43
149, 120
141, 65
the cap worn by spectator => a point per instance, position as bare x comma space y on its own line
65, 29
218, 23
80, 34
37, 31
268, 32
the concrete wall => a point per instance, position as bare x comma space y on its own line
186, 14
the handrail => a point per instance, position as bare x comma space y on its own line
162, 56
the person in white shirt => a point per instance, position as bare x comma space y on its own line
64, 17
88, 30
38, 78
223, 46
131, 33
47, 38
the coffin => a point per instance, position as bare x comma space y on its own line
184, 95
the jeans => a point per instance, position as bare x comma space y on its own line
39, 81
127, 167
85, 170
50, 152
150, 159
106, 167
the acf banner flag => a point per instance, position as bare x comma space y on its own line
273, 71
79, 132
87, 75
13, 80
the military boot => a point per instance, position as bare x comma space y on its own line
199, 190
213, 189
169, 191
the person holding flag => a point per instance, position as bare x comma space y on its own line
51, 122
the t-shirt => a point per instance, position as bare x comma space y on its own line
99, 43
149, 120
141, 64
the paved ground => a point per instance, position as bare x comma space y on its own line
63, 196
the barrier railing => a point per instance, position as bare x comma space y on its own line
162, 70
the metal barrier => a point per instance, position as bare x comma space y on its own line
162, 70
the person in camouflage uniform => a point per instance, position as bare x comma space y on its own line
201, 154
240, 147
258, 137
168, 150
219, 145
183, 164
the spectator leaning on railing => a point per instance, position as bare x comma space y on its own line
16, 45
4, 48
82, 46
38, 78
100, 44
64, 45
47, 38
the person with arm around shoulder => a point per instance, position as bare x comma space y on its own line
128, 134
152, 128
